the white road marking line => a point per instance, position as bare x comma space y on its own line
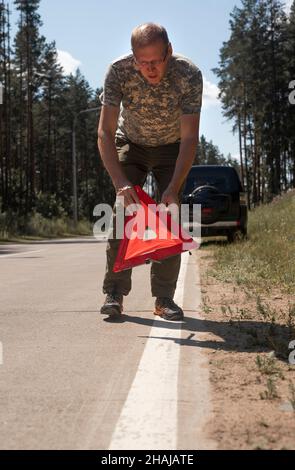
22, 253
149, 416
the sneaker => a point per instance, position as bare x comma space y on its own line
166, 308
113, 305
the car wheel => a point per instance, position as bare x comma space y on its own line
244, 233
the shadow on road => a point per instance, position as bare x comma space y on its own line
239, 336
9, 250
66, 241
18, 247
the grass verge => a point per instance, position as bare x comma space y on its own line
267, 258
37, 227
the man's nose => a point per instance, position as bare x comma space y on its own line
151, 66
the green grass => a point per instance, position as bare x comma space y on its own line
268, 366
38, 227
267, 258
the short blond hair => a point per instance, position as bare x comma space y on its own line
147, 34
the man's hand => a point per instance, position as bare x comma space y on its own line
169, 196
128, 192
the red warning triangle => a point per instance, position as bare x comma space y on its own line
150, 236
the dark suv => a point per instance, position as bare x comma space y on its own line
219, 191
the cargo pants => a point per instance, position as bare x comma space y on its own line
137, 161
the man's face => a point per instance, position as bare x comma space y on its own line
152, 61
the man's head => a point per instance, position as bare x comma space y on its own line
152, 50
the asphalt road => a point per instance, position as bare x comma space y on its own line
71, 379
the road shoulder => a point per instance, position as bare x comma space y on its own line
253, 388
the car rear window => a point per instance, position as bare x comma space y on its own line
225, 179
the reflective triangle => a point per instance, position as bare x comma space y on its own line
149, 234
142, 243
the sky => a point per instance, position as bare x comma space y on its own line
90, 34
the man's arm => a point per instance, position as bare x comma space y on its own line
189, 125
107, 147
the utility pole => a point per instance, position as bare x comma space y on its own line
74, 162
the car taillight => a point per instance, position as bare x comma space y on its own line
243, 198
207, 210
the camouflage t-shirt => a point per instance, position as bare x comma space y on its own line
149, 114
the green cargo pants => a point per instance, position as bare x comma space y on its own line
137, 161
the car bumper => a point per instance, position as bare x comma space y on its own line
214, 229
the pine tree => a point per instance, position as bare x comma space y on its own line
290, 108
252, 72
29, 46
51, 85
5, 107
209, 154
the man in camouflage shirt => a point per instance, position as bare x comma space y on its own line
149, 121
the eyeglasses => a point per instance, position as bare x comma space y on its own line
152, 63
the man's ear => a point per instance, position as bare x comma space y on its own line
170, 49
134, 63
